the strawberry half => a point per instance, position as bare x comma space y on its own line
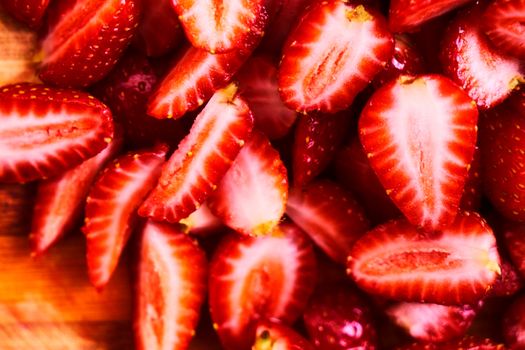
271, 335
514, 324
202, 222
29, 12
333, 53
255, 278
251, 197
503, 23
514, 239
329, 215
45, 131
508, 283
421, 158
85, 39
111, 208
471, 198
202, 158
170, 289
455, 266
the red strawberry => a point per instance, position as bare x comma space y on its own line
170, 290
29, 12
221, 26
202, 222
316, 141
508, 283
329, 215
514, 239
202, 158
421, 158
471, 198
514, 324
254, 278
503, 23
45, 131
467, 57
111, 208
258, 85
272, 335
455, 266
337, 318
409, 15
60, 200
466, 343
332, 54
251, 197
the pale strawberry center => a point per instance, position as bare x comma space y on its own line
411, 261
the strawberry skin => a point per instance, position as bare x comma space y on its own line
170, 288
45, 131
331, 55
455, 266
466, 343
29, 12
422, 169
514, 324
513, 237
271, 335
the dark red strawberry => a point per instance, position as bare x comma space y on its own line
503, 23
329, 215
514, 239
272, 335
455, 266
509, 282
337, 318
466, 343
29, 12
45, 131
112, 205
202, 222
170, 289
333, 53
258, 85
255, 278
85, 39
421, 158
251, 197
471, 198
468, 58
203, 157
514, 324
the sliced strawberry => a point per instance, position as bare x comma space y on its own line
332, 54
202, 222
221, 26
514, 324
29, 12
254, 278
329, 215
466, 343
111, 208
202, 158
45, 131
421, 158
467, 57
471, 198
272, 335
251, 197
503, 23
409, 15
514, 239
60, 200
170, 290
508, 283
455, 266
258, 85
85, 39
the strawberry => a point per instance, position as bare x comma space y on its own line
471, 198
514, 240
455, 266
85, 39
221, 26
465, 343
170, 288
503, 24
251, 197
29, 12
468, 58
514, 324
332, 54
329, 215
316, 141
421, 158
258, 86
45, 131
508, 283
255, 278
202, 222
111, 208
60, 200
202, 158
272, 335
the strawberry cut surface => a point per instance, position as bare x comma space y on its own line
29, 12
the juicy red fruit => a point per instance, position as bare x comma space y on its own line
503, 23
29, 12
271, 335
514, 324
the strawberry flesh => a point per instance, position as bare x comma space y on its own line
29, 12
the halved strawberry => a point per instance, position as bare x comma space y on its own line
421, 158
170, 289
514, 240
258, 85
254, 278
455, 266
465, 343
223, 25
329, 215
202, 222
271, 335
60, 200
333, 53
514, 324
29, 12
471, 197
503, 23
202, 158
467, 57
45, 131
509, 282
111, 208
251, 197
85, 39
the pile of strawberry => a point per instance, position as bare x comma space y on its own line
300, 174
